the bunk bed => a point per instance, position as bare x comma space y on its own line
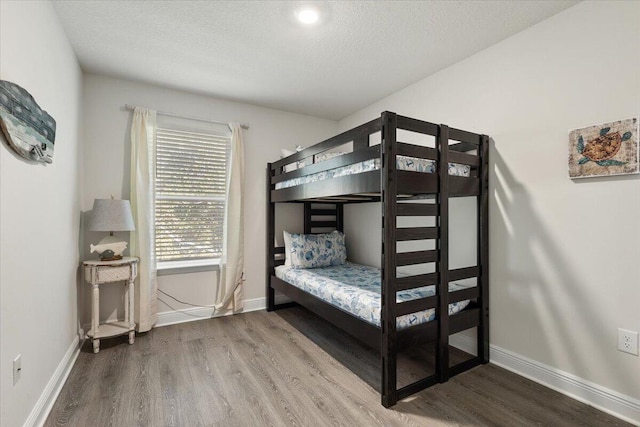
408, 180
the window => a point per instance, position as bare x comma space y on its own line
191, 170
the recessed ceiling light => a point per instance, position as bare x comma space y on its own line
308, 15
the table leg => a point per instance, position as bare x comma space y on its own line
131, 319
127, 319
95, 321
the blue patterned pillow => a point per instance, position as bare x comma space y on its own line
315, 250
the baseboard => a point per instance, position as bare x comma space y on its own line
43, 406
619, 405
167, 318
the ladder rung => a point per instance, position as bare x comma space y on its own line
417, 209
416, 233
323, 212
418, 257
415, 305
323, 224
463, 273
416, 281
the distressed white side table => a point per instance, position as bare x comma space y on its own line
97, 272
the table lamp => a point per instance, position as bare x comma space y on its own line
110, 215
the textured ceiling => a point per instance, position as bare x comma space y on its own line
255, 52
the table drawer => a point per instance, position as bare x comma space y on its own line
113, 274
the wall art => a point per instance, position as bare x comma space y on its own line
604, 150
29, 130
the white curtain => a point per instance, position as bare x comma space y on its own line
143, 165
232, 262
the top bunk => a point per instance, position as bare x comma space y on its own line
353, 166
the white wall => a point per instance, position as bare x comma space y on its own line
39, 211
107, 147
564, 254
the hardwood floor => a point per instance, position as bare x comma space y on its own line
286, 368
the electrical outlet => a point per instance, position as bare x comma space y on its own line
17, 369
628, 341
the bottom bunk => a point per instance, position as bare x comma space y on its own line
356, 289
348, 296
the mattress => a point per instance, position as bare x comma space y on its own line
356, 289
406, 163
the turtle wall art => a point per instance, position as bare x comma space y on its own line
603, 150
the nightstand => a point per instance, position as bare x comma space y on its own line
98, 272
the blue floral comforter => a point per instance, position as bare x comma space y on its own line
403, 163
356, 289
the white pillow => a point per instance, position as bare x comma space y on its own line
286, 153
287, 248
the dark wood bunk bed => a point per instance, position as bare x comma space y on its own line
397, 190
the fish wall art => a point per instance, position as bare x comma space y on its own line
29, 130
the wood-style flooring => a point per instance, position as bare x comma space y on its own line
286, 368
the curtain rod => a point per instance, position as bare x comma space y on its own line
242, 125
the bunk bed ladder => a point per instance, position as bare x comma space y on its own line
395, 182
391, 259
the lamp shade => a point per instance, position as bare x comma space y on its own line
111, 215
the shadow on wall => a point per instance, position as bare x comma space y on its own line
537, 279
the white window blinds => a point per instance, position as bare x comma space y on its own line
191, 170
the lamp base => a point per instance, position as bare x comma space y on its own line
110, 248
110, 258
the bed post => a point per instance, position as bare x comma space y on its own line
389, 189
483, 251
442, 354
270, 241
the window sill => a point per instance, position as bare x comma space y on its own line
182, 267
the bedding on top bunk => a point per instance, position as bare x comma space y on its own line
356, 289
406, 163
